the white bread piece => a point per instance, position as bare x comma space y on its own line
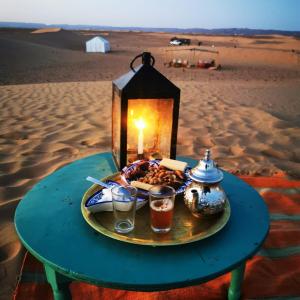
173, 164
141, 185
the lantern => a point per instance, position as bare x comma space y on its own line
145, 110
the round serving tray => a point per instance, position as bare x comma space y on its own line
186, 228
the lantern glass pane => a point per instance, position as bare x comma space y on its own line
149, 128
116, 125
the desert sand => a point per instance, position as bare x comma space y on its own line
56, 107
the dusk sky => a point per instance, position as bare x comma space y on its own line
257, 14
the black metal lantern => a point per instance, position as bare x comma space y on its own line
145, 111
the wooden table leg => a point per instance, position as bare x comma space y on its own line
237, 276
59, 284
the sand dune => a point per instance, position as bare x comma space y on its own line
60, 57
248, 113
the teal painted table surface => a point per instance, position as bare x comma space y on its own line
50, 225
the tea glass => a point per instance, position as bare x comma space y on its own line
124, 207
161, 200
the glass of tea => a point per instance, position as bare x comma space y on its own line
124, 206
161, 200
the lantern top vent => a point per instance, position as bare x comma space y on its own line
145, 80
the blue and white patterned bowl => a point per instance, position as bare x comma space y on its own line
95, 202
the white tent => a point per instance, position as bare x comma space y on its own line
97, 44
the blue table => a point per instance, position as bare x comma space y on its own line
50, 225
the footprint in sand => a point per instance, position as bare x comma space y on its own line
67, 151
8, 167
9, 243
237, 150
275, 153
9, 251
204, 141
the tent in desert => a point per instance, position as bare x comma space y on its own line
97, 44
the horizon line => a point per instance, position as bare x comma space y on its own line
140, 27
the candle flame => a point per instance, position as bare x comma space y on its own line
140, 123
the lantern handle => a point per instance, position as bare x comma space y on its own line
147, 59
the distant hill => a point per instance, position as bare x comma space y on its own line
46, 30
59, 39
218, 31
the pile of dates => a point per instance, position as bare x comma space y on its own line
156, 175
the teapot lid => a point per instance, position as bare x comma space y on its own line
206, 171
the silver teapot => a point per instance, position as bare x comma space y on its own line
205, 196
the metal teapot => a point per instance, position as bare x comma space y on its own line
204, 196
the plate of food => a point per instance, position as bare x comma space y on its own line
143, 174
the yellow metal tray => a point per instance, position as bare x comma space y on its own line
186, 228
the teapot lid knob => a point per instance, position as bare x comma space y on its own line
207, 155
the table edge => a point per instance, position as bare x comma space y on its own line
139, 287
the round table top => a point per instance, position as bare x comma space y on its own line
50, 225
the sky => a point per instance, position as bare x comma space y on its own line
256, 14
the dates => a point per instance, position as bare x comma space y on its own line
156, 175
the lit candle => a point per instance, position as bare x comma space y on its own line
140, 124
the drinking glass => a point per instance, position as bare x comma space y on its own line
161, 200
124, 206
